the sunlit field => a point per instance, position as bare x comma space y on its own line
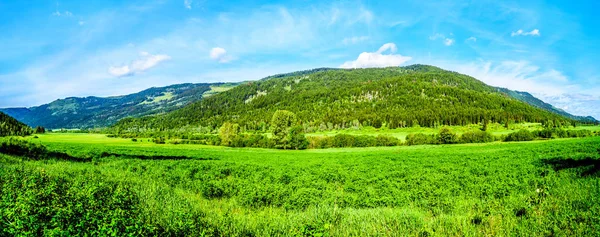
117, 186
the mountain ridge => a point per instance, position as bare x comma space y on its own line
93, 111
395, 96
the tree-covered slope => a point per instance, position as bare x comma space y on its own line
530, 99
12, 127
92, 111
339, 98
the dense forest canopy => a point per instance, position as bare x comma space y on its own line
12, 127
416, 95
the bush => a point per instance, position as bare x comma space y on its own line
159, 140
343, 140
521, 135
446, 136
18, 147
476, 137
365, 141
420, 139
382, 140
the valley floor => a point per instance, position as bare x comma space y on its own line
535, 188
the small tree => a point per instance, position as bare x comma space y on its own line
40, 129
228, 132
281, 124
297, 139
446, 136
485, 125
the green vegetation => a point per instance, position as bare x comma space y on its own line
331, 99
141, 188
11, 127
98, 112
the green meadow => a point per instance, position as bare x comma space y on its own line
115, 186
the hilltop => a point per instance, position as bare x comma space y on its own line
341, 98
91, 112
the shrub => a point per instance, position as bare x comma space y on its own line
18, 147
446, 136
476, 137
420, 139
365, 141
343, 140
521, 135
383, 140
159, 140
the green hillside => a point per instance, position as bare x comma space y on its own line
90, 112
530, 99
12, 127
340, 98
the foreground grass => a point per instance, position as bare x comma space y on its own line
533, 188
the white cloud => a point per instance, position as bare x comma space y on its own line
143, 63
378, 59
81, 23
471, 39
220, 54
65, 13
187, 4
446, 41
534, 32
355, 39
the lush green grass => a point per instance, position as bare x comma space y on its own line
528, 188
401, 133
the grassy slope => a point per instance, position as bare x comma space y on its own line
472, 189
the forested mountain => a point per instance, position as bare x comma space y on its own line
340, 98
90, 112
12, 127
530, 99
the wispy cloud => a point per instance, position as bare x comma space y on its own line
378, 59
534, 32
143, 63
471, 39
187, 4
448, 41
65, 13
445, 40
354, 40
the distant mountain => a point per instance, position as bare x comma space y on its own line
339, 98
91, 112
11, 127
530, 99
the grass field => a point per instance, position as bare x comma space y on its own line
401, 133
539, 188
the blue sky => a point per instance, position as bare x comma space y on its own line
57, 49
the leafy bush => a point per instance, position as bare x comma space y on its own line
18, 147
521, 135
37, 203
476, 137
383, 140
420, 139
447, 137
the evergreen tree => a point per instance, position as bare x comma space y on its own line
281, 123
